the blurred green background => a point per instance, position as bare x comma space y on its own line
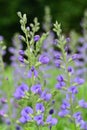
68, 12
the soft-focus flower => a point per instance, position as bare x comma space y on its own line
60, 85
82, 103
2, 113
63, 113
45, 96
51, 121
57, 55
79, 81
36, 38
23, 120
44, 59
77, 117
70, 69
21, 59
20, 91
65, 105
75, 57
60, 78
26, 111
21, 52
73, 90
40, 107
57, 63
39, 119
32, 71
36, 89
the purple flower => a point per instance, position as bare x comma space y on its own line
11, 49
57, 55
20, 37
36, 38
77, 117
20, 91
68, 39
32, 71
21, 59
57, 63
39, 119
60, 78
51, 121
44, 59
3, 100
83, 125
45, 96
60, 85
70, 69
63, 113
40, 107
23, 120
75, 57
79, 81
82, 103
21, 52
26, 111
65, 105
36, 89
73, 90
2, 113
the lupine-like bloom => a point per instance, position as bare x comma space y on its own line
36, 38
75, 57
61, 83
51, 121
36, 89
57, 63
83, 104
65, 105
78, 80
73, 90
26, 115
70, 69
40, 107
57, 55
44, 59
77, 116
2, 113
26, 111
21, 52
63, 113
60, 78
21, 59
39, 119
32, 71
20, 91
45, 95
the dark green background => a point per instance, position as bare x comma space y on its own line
68, 12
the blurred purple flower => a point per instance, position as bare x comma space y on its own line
44, 59
32, 71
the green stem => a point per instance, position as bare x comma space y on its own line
68, 83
